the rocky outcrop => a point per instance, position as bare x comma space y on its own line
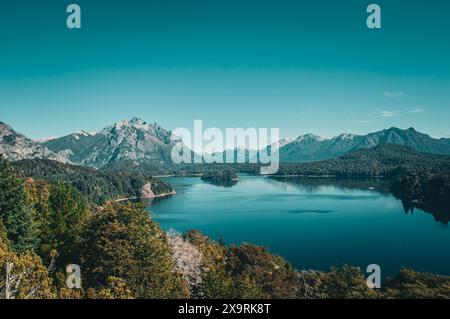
15, 146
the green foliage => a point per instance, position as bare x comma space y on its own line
28, 278
245, 271
410, 284
15, 214
272, 274
224, 177
116, 289
59, 210
343, 283
121, 241
128, 166
216, 281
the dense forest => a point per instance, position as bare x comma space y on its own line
386, 160
97, 186
46, 225
179, 169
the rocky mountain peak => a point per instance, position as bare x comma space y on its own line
133, 139
15, 146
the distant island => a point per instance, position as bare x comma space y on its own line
226, 177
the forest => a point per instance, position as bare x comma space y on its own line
97, 186
384, 160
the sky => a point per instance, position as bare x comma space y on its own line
301, 66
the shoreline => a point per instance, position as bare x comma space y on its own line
147, 197
326, 176
294, 175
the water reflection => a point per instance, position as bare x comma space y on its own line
312, 222
313, 184
440, 211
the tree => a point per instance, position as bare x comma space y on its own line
116, 289
15, 214
59, 210
67, 211
412, 285
244, 271
343, 283
254, 267
216, 282
121, 241
22, 276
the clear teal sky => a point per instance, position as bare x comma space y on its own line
302, 66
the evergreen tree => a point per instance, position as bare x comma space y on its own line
67, 210
14, 212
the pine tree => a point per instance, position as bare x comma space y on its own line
14, 211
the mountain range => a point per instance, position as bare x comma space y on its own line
310, 147
141, 142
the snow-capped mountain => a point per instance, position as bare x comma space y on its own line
15, 146
125, 140
139, 141
313, 148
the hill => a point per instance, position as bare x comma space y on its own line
381, 160
97, 186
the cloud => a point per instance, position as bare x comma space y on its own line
418, 110
393, 94
388, 113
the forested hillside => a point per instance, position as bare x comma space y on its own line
96, 185
382, 160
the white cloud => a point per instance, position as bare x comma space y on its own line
393, 94
418, 110
45, 139
388, 113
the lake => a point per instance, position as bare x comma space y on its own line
315, 223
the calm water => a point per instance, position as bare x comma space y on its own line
313, 223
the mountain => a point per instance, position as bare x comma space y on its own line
125, 140
15, 146
311, 147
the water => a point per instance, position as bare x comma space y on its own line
313, 223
